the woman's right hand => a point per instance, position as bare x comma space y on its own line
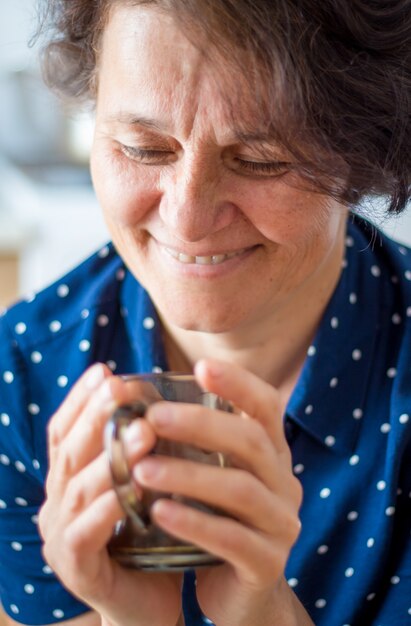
81, 509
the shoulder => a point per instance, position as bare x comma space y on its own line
45, 344
56, 309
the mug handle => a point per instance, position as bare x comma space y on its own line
121, 477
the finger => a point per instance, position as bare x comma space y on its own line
233, 491
84, 442
257, 559
68, 413
245, 442
255, 397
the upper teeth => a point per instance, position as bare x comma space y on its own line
202, 260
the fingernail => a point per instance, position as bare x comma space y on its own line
212, 368
149, 468
94, 377
133, 436
161, 414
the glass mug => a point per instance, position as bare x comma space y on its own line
136, 541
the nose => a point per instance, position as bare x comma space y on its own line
194, 203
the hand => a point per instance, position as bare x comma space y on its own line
81, 509
259, 494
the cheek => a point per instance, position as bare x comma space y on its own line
125, 194
292, 217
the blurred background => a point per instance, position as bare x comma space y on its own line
49, 218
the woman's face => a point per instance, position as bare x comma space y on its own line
209, 225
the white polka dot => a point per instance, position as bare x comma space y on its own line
353, 298
391, 372
123, 311
8, 377
404, 418
409, 311
389, 511
344, 264
320, 603
381, 485
102, 320
3, 505
4, 460
349, 572
206, 620
5, 419
333, 382
104, 252
408, 275
396, 319
55, 326
349, 241
334, 322
311, 350
47, 569
16, 546
352, 516
62, 381
357, 414
29, 589
35, 519
58, 613
324, 493
375, 271
33, 409
157, 369
63, 291
20, 467
36, 464
21, 501
148, 323
293, 582
112, 365
385, 428
395, 580
20, 328
299, 468
322, 549
370, 596
402, 250
120, 274
355, 459
85, 313
308, 409
84, 345
370, 542
36, 357
356, 355
30, 297
14, 609
329, 441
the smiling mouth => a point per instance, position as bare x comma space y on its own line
214, 259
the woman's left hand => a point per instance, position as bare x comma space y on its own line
258, 492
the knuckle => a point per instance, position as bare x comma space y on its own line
245, 488
54, 435
255, 437
74, 497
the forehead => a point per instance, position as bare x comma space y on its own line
147, 65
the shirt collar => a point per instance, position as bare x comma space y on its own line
143, 327
328, 400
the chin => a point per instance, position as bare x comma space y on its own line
213, 324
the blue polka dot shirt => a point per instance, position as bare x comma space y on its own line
347, 422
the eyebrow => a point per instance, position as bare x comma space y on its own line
132, 119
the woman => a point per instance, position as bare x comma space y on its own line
232, 140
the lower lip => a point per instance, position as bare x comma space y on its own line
206, 271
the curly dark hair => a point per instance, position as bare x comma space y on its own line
333, 77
